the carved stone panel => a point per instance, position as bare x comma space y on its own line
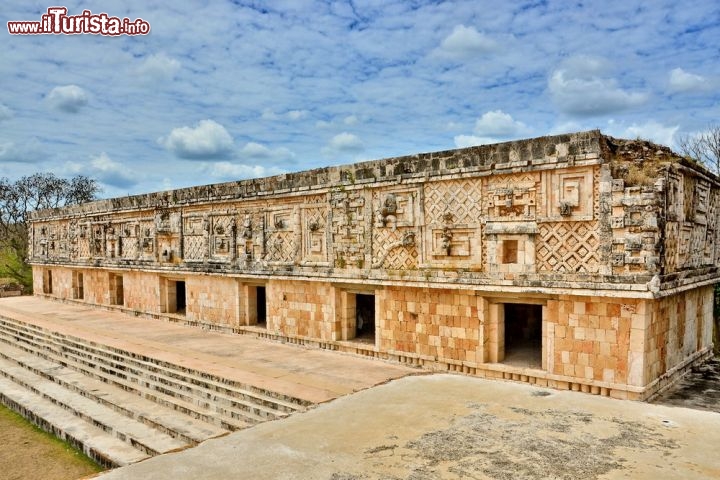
571, 195
314, 234
512, 198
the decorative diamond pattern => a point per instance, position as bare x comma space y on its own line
462, 198
568, 247
393, 257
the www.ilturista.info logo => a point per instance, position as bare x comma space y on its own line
56, 21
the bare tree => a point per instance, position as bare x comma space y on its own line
18, 199
703, 147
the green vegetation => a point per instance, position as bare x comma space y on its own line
30, 452
18, 199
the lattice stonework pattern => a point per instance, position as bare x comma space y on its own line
391, 252
461, 198
568, 247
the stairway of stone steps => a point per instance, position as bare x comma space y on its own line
117, 406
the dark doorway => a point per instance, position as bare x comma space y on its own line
180, 297
523, 335
365, 317
261, 306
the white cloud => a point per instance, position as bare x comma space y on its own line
462, 141
105, 170
259, 151
158, 67
25, 152
227, 171
580, 88
344, 142
67, 98
651, 130
497, 123
466, 41
5, 113
296, 114
290, 115
208, 139
682, 81
350, 120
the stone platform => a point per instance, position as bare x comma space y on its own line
454, 427
124, 388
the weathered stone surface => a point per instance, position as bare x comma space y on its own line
440, 243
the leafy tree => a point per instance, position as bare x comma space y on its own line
703, 147
19, 198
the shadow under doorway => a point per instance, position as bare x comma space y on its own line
523, 335
365, 317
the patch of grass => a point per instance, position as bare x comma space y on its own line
30, 452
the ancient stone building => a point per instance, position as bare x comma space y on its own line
575, 261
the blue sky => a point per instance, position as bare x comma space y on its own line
228, 90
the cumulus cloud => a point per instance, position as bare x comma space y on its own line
581, 87
466, 41
344, 142
227, 171
5, 113
208, 139
350, 120
105, 170
67, 98
497, 123
253, 150
158, 67
682, 81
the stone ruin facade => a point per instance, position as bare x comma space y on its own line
575, 261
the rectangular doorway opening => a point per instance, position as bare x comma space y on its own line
78, 287
365, 317
261, 306
47, 281
180, 297
117, 291
523, 335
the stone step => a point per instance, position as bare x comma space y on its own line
137, 434
256, 396
194, 407
207, 398
102, 447
155, 415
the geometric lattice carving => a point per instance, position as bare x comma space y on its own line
570, 247
282, 247
387, 249
194, 247
462, 198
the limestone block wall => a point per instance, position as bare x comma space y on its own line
679, 327
593, 339
439, 324
213, 299
304, 309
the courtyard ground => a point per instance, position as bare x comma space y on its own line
457, 427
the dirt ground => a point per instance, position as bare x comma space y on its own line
28, 453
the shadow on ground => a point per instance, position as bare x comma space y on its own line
699, 389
